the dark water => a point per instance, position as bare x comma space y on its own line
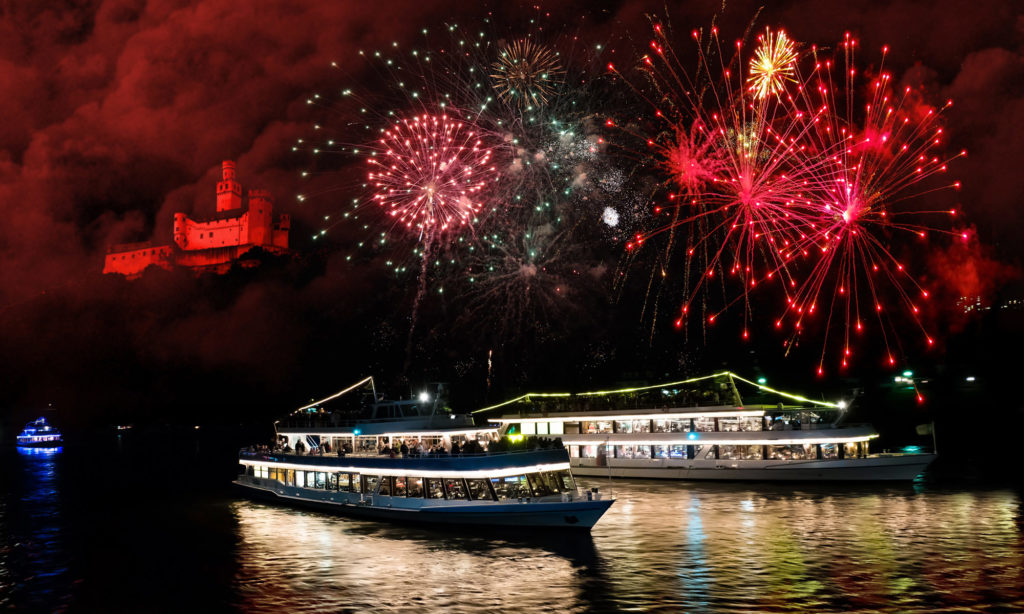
122, 526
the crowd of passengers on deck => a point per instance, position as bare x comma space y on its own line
414, 448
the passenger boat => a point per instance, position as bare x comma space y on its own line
414, 461
700, 429
40, 434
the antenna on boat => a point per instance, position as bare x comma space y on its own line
338, 394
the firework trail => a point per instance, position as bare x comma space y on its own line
430, 176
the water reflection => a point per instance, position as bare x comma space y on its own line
826, 548
663, 545
302, 561
33, 555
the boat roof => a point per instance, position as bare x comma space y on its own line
659, 398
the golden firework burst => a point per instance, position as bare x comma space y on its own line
774, 63
526, 73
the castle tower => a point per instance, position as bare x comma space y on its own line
181, 230
261, 208
229, 191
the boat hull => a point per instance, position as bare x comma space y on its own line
582, 515
871, 469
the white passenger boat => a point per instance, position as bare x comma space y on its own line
414, 461
700, 429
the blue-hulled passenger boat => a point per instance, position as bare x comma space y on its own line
414, 461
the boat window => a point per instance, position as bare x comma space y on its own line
728, 425
399, 489
500, 488
568, 484
662, 426
454, 488
434, 488
740, 452
415, 487
300, 479
290, 477
352, 483
793, 452
624, 426
479, 490
370, 484
588, 451
632, 451
366, 443
850, 450
522, 487
540, 489
332, 481
386, 486
272, 473
704, 424
321, 479
512, 487
250, 470
673, 451
551, 480
597, 427
641, 426
749, 423
556, 428
829, 450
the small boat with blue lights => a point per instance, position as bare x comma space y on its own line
415, 461
700, 429
40, 434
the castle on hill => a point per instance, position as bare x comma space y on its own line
213, 244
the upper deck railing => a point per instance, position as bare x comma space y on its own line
462, 462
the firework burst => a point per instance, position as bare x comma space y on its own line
738, 177
432, 173
526, 73
774, 65
878, 158
478, 148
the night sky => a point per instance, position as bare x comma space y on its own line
117, 114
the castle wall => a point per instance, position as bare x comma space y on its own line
132, 262
228, 232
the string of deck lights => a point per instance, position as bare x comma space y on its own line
529, 395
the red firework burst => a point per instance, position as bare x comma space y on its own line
876, 160
430, 173
740, 171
